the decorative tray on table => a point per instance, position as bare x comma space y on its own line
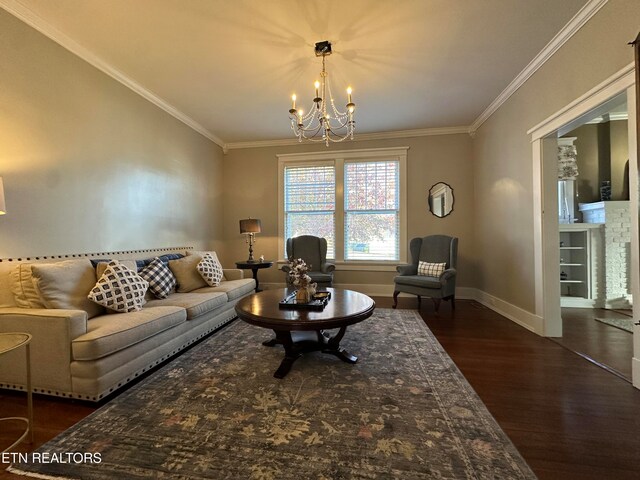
318, 301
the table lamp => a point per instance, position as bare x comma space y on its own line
249, 227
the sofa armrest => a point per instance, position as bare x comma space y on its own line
52, 331
233, 273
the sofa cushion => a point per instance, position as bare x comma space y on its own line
108, 334
195, 303
160, 278
24, 291
186, 273
101, 266
120, 289
66, 285
202, 253
210, 269
233, 288
163, 258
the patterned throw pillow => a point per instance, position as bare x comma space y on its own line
210, 269
120, 289
431, 269
160, 278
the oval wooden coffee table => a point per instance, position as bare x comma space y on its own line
302, 331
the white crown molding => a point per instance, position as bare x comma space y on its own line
17, 9
575, 24
611, 117
359, 137
602, 92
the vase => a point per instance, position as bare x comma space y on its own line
605, 190
302, 295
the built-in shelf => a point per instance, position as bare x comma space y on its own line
576, 263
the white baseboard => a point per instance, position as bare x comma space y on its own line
516, 314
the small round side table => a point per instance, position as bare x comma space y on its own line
254, 267
9, 342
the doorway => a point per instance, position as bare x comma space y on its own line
595, 236
545, 136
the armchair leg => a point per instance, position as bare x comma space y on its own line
419, 302
453, 301
395, 298
436, 303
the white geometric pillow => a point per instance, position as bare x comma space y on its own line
119, 289
431, 269
160, 278
210, 269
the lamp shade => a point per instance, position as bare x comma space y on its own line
567, 162
3, 209
250, 225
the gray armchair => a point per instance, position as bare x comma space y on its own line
313, 250
432, 249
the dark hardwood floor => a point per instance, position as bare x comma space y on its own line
568, 418
609, 346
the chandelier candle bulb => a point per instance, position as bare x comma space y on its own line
349, 95
293, 100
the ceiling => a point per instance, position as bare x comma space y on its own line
230, 67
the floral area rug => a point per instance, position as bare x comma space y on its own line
621, 323
402, 411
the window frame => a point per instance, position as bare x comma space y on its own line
338, 159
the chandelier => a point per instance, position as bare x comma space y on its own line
323, 122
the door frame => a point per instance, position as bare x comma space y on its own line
545, 200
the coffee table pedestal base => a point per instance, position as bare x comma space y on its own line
296, 343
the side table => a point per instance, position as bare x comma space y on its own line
9, 342
254, 267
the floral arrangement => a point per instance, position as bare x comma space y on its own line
299, 273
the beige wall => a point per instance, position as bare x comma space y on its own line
503, 152
90, 166
251, 183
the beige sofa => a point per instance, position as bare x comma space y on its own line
75, 354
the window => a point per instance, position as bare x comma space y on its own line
310, 203
354, 199
371, 210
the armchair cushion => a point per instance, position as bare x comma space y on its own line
419, 281
431, 269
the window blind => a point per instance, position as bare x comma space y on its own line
309, 203
371, 206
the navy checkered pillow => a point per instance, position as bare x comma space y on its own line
160, 278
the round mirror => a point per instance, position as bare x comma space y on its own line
441, 199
